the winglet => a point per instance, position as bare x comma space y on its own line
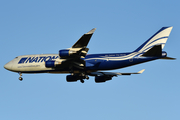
141, 71
91, 31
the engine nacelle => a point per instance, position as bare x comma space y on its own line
74, 78
100, 79
66, 53
52, 64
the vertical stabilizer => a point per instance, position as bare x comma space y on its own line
159, 38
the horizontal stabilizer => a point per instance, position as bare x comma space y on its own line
168, 58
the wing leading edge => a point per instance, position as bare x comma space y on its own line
105, 76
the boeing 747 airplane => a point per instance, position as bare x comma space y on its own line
81, 65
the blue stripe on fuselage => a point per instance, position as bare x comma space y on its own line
90, 56
102, 61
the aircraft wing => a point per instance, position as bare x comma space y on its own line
84, 40
113, 73
72, 56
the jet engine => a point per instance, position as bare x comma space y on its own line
74, 78
73, 52
66, 53
52, 64
100, 79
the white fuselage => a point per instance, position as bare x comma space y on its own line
31, 63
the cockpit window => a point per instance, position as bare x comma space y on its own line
16, 57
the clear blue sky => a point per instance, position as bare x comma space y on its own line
35, 27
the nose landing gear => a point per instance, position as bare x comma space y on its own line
20, 78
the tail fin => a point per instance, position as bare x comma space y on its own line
158, 39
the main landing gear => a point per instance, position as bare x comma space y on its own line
20, 78
86, 77
82, 81
75, 77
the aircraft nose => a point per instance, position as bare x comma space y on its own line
7, 66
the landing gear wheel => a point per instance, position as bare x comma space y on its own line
20, 78
87, 77
82, 81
